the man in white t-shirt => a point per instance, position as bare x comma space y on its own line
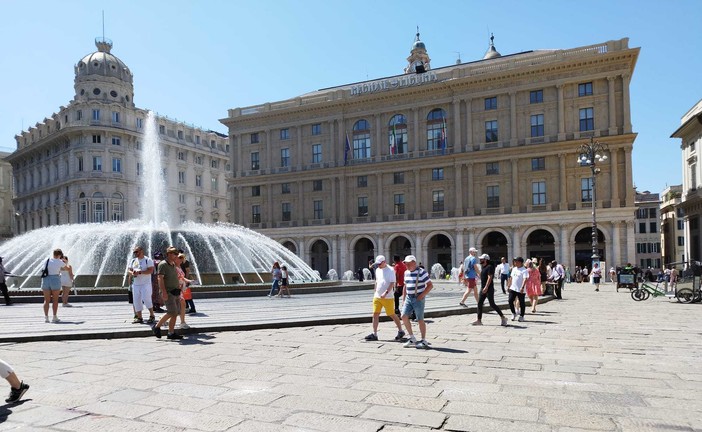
383, 297
140, 269
504, 270
517, 287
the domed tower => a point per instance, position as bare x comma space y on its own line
491, 52
102, 76
418, 60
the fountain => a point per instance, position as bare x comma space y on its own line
366, 274
454, 274
437, 271
332, 275
348, 276
220, 254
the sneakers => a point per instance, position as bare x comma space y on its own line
192, 312
151, 320
504, 321
67, 305
46, 319
137, 320
371, 337
521, 319
55, 319
412, 342
477, 323
400, 335
462, 304
597, 289
173, 336
184, 326
422, 344
514, 317
157, 331
17, 393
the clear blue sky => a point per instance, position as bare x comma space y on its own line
193, 60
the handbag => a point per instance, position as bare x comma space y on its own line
45, 272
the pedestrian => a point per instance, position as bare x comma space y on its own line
673, 279
3, 284
187, 294
596, 275
517, 288
284, 281
400, 269
557, 275
578, 274
183, 286
17, 388
585, 273
384, 288
487, 274
543, 275
170, 291
66, 281
51, 284
533, 285
612, 274
504, 269
277, 275
140, 270
156, 298
471, 270
567, 276
417, 286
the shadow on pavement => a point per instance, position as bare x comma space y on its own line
449, 350
70, 322
197, 339
5, 410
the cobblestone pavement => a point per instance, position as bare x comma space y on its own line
594, 361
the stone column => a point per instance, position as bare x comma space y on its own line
614, 177
628, 178
378, 138
419, 252
334, 256
611, 81
457, 125
299, 162
630, 243
380, 249
563, 185
341, 143
470, 191
238, 165
414, 145
516, 241
469, 125
458, 189
379, 213
417, 195
514, 190
561, 113
512, 119
238, 204
333, 204
471, 238
626, 79
299, 208
343, 206
332, 148
269, 157
269, 204
344, 253
302, 251
564, 244
460, 251
616, 258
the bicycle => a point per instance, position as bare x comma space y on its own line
688, 290
646, 290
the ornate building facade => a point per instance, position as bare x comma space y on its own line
437, 160
83, 163
672, 226
647, 229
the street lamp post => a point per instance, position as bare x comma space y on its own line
589, 155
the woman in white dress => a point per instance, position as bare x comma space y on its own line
66, 281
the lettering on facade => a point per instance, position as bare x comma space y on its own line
393, 83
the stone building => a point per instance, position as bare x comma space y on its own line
672, 226
439, 159
647, 229
6, 210
83, 163
690, 132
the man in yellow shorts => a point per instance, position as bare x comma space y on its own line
383, 298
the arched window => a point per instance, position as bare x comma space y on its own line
98, 207
361, 140
117, 207
436, 130
397, 134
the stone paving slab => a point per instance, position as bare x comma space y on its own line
592, 362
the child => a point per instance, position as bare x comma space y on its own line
284, 281
17, 388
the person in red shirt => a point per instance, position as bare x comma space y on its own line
400, 269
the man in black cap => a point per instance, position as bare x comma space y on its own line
3, 285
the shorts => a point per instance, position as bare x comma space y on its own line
51, 282
413, 305
596, 279
471, 283
5, 370
173, 304
388, 304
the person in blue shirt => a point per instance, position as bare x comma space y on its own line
471, 270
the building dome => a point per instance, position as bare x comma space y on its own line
491, 52
101, 75
418, 45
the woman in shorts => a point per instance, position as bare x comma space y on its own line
51, 284
284, 281
596, 276
66, 281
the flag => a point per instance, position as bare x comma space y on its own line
442, 143
347, 149
393, 141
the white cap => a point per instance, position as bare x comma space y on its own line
410, 258
472, 250
485, 257
379, 259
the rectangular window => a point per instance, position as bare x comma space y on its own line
361, 146
180, 134
198, 160
197, 139
97, 139
317, 185
536, 96
538, 193
362, 206
96, 115
214, 164
181, 155
586, 189
139, 122
491, 131
537, 125
213, 144
681, 224
181, 198
256, 214
318, 209
398, 178
493, 196
80, 163
437, 174
653, 213
162, 129
681, 241
642, 227
587, 119
198, 180
585, 89
362, 181
492, 168
97, 163
116, 141
198, 201
653, 227
316, 129
538, 164
399, 201
285, 188
254, 161
181, 177
255, 191
116, 165
287, 213
138, 168
316, 153
437, 201
254, 138
214, 184
115, 117
284, 157
285, 134
79, 115
490, 103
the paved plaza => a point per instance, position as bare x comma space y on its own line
594, 361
